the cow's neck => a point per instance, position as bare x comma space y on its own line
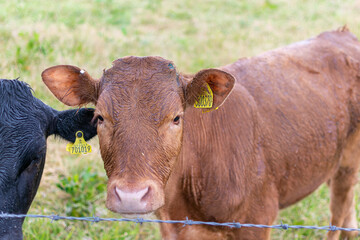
211, 141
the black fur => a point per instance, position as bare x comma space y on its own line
25, 124
66, 121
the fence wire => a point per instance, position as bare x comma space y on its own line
186, 222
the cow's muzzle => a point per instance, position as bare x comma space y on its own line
134, 198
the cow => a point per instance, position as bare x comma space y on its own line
25, 124
279, 125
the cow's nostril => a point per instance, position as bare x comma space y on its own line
146, 195
116, 191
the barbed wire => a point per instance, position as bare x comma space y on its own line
186, 222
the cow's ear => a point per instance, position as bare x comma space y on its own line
209, 89
67, 123
71, 85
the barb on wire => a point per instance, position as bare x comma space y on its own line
95, 219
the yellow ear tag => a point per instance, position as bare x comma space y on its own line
80, 146
205, 99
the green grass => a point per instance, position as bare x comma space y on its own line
194, 34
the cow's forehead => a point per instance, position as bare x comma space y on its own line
148, 84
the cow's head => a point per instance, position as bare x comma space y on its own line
140, 105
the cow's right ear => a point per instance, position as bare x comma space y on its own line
71, 85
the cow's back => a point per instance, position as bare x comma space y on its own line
307, 95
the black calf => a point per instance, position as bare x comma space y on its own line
25, 123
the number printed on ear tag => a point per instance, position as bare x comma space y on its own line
80, 146
205, 99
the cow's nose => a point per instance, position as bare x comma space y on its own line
135, 197
134, 201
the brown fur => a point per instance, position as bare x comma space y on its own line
290, 124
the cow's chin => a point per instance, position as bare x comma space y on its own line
150, 215
132, 213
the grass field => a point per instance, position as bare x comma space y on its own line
194, 34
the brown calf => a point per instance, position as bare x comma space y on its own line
290, 123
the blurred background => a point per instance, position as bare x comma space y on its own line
37, 34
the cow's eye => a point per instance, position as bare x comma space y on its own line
176, 120
98, 120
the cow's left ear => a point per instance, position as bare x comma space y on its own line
67, 123
197, 92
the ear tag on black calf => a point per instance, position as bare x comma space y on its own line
205, 99
80, 146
